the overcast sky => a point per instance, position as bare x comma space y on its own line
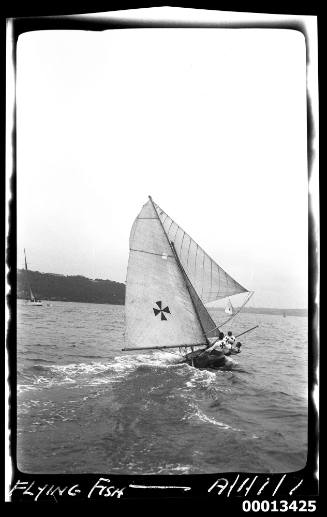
210, 122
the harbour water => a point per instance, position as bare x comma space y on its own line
84, 406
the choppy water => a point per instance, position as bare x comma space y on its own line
85, 406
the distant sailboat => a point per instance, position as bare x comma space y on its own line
229, 309
169, 279
32, 301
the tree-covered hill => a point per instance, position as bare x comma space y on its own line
50, 286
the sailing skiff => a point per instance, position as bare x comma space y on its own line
32, 301
169, 279
229, 309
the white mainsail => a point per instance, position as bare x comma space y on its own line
158, 307
164, 296
229, 307
32, 297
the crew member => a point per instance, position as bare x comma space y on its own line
218, 345
237, 348
230, 338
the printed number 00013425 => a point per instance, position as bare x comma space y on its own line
278, 506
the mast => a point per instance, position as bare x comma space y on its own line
25, 260
171, 244
27, 280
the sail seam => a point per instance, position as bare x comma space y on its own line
169, 226
178, 228
180, 251
188, 251
202, 275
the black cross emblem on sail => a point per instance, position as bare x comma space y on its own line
161, 311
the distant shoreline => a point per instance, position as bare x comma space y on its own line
264, 310
51, 287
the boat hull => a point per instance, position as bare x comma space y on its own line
202, 359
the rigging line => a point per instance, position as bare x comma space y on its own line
245, 331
